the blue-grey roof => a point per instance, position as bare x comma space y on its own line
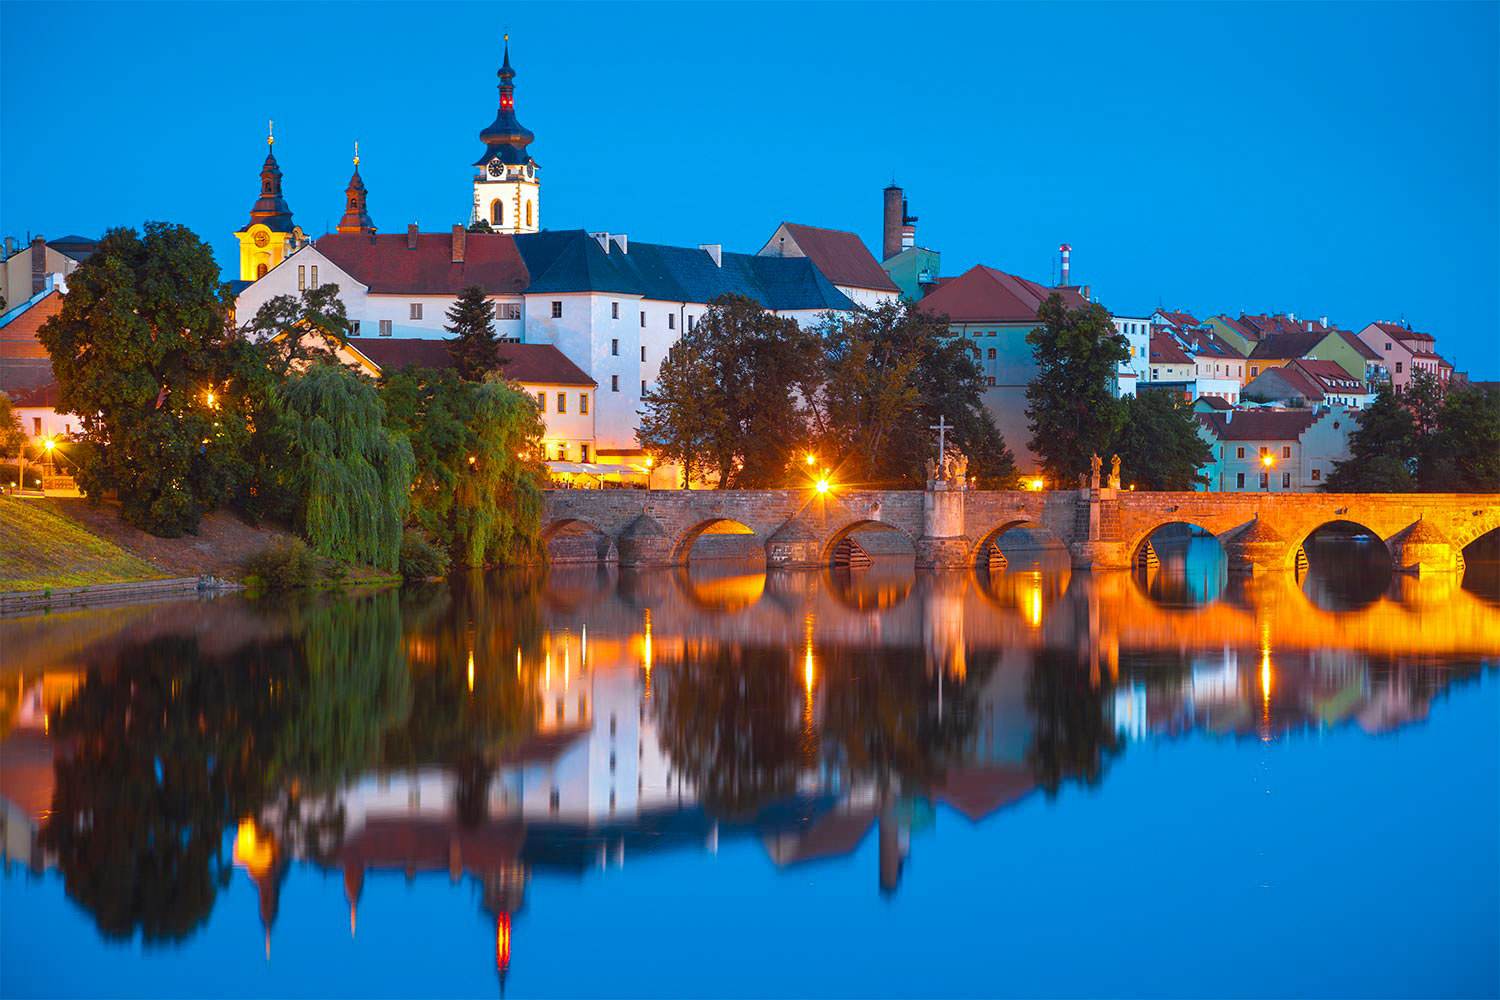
573, 261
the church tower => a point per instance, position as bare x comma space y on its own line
356, 214
507, 193
269, 235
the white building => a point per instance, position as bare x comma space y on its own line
1136, 368
1275, 451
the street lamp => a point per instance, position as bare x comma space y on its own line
1266, 462
811, 458
650, 471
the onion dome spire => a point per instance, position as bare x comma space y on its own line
271, 209
506, 138
356, 214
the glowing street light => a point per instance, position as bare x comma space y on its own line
1266, 461
811, 458
823, 486
1036, 484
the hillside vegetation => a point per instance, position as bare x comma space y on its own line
39, 549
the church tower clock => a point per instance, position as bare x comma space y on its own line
269, 235
507, 192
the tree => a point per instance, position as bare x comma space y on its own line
684, 414
296, 330
350, 474
1159, 444
475, 350
1071, 406
1382, 450
1465, 453
141, 350
481, 226
12, 434
477, 493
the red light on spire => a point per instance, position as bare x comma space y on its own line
502, 942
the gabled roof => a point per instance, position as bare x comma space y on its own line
1400, 332
574, 261
1258, 425
1165, 351
42, 395
540, 364
1206, 343
1329, 376
985, 295
388, 266
1364, 349
1286, 346
1243, 329
18, 335
1178, 320
1214, 402
1297, 383
842, 257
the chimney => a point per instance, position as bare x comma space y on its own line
460, 237
1323, 320
1085, 293
1067, 254
38, 264
622, 241
890, 232
411, 236
715, 251
10, 245
602, 239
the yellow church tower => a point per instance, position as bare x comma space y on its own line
269, 236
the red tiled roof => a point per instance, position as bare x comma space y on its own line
984, 295
1258, 425
539, 364
1399, 332
1165, 351
1299, 381
18, 337
842, 257
388, 266
1180, 320
1330, 376
42, 395
1216, 402
1364, 349
1286, 346
1243, 329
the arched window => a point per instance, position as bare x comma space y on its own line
528, 213
497, 213
260, 271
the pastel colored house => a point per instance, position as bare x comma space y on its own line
1405, 351
1307, 383
1275, 451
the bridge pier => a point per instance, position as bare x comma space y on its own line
1257, 550
795, 545
1423, 550
943, 544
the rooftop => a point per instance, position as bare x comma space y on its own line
1258, 425
986, 295
539, 364
842, 257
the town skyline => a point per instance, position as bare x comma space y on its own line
1139, 227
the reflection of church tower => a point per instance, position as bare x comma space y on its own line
261, 857
356, 213
504, 894
269, 235
507, 193
354, 884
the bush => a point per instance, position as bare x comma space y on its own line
420, 559
284, 565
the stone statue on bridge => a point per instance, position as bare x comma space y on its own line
1094, 465
953, 468
1114, 472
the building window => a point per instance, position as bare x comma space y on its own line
643, 353
671, 322
583, 402
1317, 474
541, 402
385, 328
36, 424
614, 310
1254, 370
643, 387
643, 318
315, 276
562, 456
614, 346
1239, 452
260, 271
976, 354
497, 213
416, 310
1264, 450
990, 381
1387, 345
528, 213
1265, 480
583, 453
1239, 481
614, 383
691, 322
990, 354
562, 402
556, 309
1398, 368
508, 310
1286, 451
301, 278
354, 328
1286, 480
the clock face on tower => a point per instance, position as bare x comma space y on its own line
261, 238
496, 168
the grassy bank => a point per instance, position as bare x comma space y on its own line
40, 549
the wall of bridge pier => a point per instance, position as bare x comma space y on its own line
1103, 529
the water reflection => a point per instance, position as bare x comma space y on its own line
499, 726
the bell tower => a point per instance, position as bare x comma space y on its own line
356, 212
507, 192
269, 235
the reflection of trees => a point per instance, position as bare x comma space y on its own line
730, 723
1075, 737
170, 749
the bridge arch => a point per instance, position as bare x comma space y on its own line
1138, 541
981, 553
1335, 527
1481, 522
825, 555
682, 546
576, 540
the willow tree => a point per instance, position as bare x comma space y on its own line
350, 474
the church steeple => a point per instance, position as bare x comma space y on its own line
270, 234
507, 193
356, 215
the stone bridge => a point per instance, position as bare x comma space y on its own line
1102, 528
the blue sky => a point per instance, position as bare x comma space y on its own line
1337, 159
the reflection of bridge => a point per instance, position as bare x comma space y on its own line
1102, 528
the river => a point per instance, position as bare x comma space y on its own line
722, 782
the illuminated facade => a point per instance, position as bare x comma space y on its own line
507, 190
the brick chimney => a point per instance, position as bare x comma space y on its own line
459, 238
411, 236
890, 232
38, 264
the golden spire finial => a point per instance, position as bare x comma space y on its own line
356, 152
270, 132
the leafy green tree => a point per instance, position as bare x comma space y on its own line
350, 474
1071, 406
141, 350
296, 330
481, 226
1382, 450
1465, 452
478, 490
685, 414
471, 320
1159, 444
12, 434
